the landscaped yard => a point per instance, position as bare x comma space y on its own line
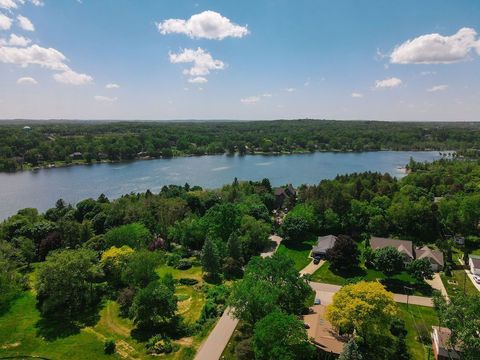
299, 253
418, 322
24, 332
458, 282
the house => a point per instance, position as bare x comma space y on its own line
321, 333
76, 155
405, 247
284, 193
442, 350
323, 244
474, 264
435, 257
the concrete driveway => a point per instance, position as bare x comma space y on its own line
470, 275
311, 268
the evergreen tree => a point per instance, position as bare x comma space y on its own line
210, 258
350, 351
234, 246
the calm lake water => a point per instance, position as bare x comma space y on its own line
42, 188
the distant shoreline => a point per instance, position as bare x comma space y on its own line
57, 165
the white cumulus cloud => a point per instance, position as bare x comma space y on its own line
202, 62
388, 83
250, 100
290, 89
15, 40
71, 77
436, 48
5, 22
112, 86
357, 95
198, 80
105, 99
25, 23
34, 55
27, 80
208, 25
438, 88
8, 4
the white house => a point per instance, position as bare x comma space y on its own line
474, 264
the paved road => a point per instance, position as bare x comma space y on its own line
325, 293
212, 348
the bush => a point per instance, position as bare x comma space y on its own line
109, 346
423, 334
184, 265
188, 281
125, 300
159, 345
173, 260
243, 350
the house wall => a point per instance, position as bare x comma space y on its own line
472, 268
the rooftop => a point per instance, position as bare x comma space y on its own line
404, 246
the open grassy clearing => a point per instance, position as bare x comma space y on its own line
458, 282
299, 253
418, 321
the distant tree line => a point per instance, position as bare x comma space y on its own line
31, 144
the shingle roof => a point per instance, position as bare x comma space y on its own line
426, 252
476, 261
403, 246
324, 243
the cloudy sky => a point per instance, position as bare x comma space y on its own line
249, 59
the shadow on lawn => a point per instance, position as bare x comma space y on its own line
61, 326
403, 287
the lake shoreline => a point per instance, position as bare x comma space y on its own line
57, 165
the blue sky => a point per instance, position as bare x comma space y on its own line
260, 59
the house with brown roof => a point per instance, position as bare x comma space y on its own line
435, 257
321, 333
442, 350
405, 247
284, 193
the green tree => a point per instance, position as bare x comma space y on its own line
344, 253
65, 282
254, 236
135, 235
210, 258
389, 260
153, 306
140, 268
268, 284
281, 336
462, 316
420, 269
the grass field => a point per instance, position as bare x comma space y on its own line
461, 279
299, 253
418, 320
22, 330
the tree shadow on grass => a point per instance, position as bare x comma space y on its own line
403, 287
297, 245
57, 326
350, 273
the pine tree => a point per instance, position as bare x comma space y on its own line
210, 258
234, 247
350, 351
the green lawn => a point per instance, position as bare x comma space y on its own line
476, 252
395, 283
460, 277
299, 253
418, 319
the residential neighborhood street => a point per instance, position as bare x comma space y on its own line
212, 348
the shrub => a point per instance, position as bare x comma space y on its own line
109, 346
184, 265
159, 345
188, 281
173, 259
243, 350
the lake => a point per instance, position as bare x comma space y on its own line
41, 189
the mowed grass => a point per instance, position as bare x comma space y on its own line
462, 282
298, 252
418, 319
19, 336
